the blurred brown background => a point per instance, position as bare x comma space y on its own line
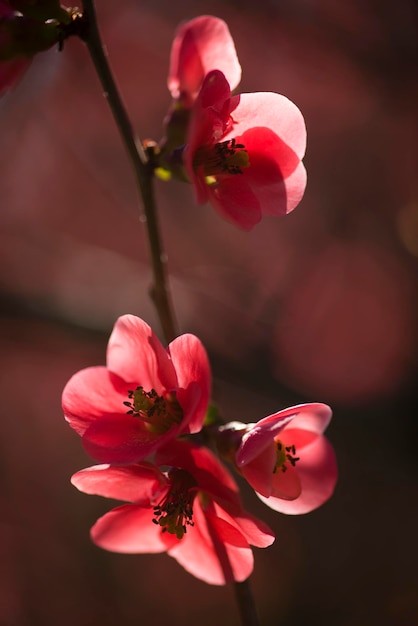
321, 305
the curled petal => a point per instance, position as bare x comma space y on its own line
317, 470
313, 417
259, 439
201, 45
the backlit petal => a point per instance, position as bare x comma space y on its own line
142, 483
129, 529
317, 471
201, 45
192, 367
135, 353
90, 394
272, 111
206, 555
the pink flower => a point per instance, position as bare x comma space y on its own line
145, 396
201, 45
288, 461
192, 512
244, 152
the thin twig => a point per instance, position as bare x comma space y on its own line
142, 168
246, 604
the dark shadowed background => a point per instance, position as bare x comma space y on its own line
321, 305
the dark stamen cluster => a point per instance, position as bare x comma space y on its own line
157, 411
286, 453
175, 512
225, 150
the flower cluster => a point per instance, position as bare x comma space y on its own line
140, 418
144, 416
242, 153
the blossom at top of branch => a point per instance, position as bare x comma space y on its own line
243, 153
192, 511
201, 45
287, 460
145, 396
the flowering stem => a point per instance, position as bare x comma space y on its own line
88, 31
159, 291
246, 604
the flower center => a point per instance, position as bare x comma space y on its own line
227, 157
159, 413
175, 511
284, 454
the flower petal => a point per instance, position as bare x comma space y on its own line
259, 472
201, 45
142, 483
210, 474
236, 202
317, 470
286, 485
129, 529
123, 439
259, 438
254, 530
271, 159
90, 394
213, 550
192, 367
313, 416
210, 118
135, 353
283, 196
274, 111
